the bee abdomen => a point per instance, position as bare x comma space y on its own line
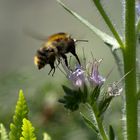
40, 59
39, 63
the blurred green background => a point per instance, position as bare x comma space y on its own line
17, 70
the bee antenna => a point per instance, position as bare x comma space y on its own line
82, 40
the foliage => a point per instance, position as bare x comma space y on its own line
21, 112
111, 133
27, 131
21, 128
73, 98
88, 91
3, 133
46, 136
128, 48
88, 86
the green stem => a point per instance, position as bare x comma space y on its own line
108, 22
99, 123
129, 54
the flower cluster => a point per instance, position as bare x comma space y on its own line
87, 83
79, 76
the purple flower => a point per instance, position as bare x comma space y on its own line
95, 78
77, 77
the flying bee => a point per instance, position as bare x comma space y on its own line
55, 48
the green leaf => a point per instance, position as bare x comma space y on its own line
89, 123
73, 98
105, 37
21, 112
108, 21
3, 133
95, 94
111, 133
104, 103
84, 94
67, 90
27, 131
46, 137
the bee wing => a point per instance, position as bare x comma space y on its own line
35, 35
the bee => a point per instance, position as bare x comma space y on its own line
55, 48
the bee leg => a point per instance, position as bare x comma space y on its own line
76, 56
65, 59
59, 60
52, 68
72, 50
53, 71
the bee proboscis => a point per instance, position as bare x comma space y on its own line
56, 47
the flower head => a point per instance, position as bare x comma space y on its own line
95, 78
114, 90
77, 76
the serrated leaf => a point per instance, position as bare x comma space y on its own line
21, 112
3, 133
72, 107
111, 133
46, 137
71, 99
27, 131
89, 123
105, 37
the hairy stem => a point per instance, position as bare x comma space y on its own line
129, 54
99, 123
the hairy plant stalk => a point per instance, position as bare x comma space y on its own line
129, 54
99, 123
